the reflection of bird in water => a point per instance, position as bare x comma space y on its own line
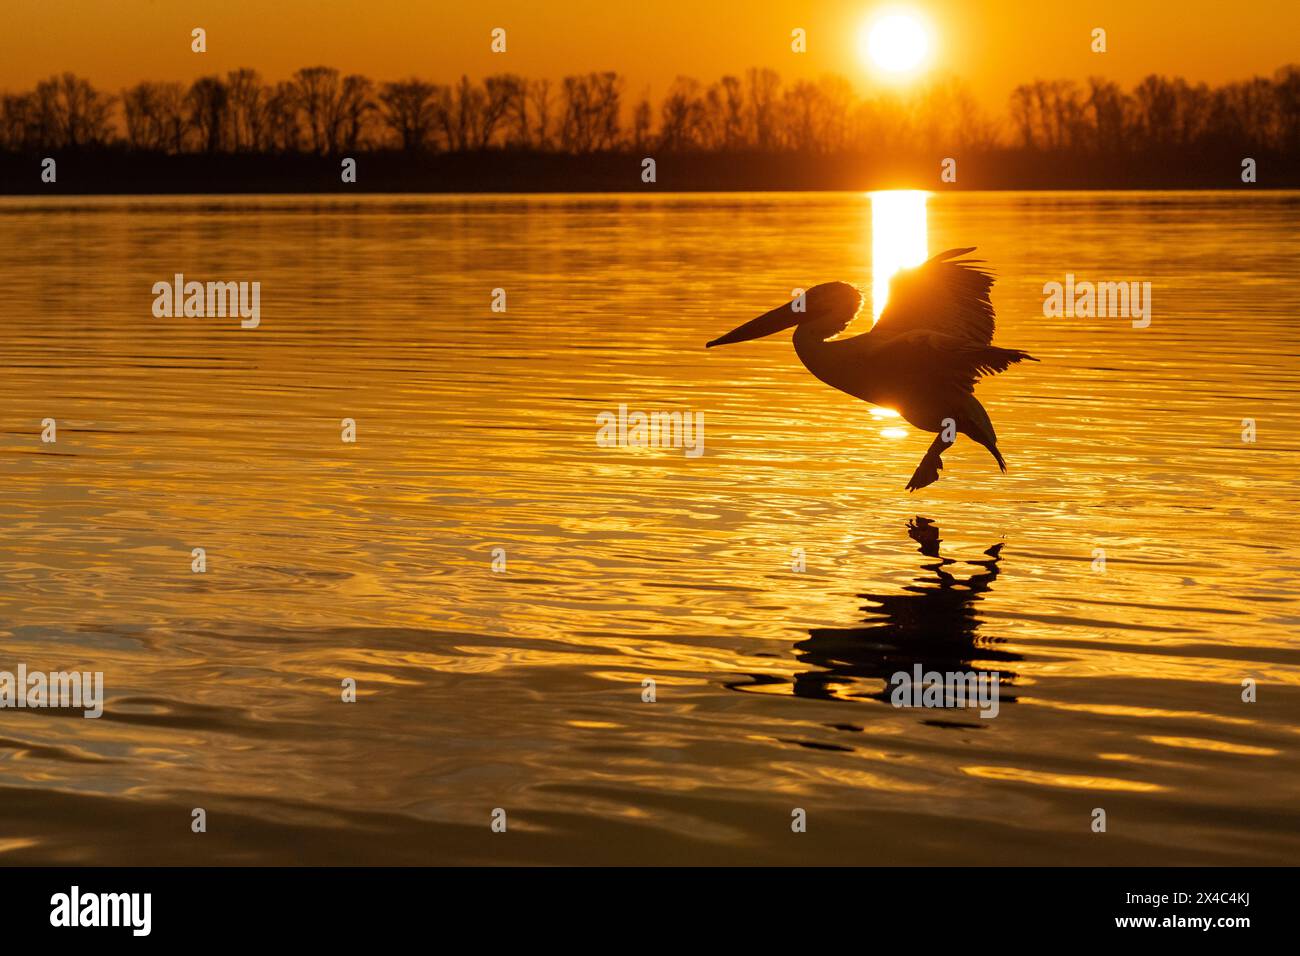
932, 342
933, 624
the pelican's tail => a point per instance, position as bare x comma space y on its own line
975, 423
997, 456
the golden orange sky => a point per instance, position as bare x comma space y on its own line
991, 44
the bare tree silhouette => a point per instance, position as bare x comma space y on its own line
408, 109
542, 103
70, 113
206, 107
246, 114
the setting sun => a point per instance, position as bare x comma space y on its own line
896, 43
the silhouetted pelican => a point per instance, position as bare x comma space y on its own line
922, 357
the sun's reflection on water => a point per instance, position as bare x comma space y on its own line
898, 239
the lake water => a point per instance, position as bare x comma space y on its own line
522, 689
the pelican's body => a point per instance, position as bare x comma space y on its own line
922, 358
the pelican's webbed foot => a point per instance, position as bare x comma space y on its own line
927, 472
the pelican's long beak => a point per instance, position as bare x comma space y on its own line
782, 317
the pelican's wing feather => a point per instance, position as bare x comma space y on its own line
945, 294
957, 361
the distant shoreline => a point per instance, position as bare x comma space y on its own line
110, 171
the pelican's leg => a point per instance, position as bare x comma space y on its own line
927, 472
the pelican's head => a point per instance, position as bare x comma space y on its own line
832, 303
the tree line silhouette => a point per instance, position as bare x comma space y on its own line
239, 133
320, 111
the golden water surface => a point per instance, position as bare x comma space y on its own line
523, 689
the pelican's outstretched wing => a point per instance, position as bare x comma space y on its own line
948, 358
945, 294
